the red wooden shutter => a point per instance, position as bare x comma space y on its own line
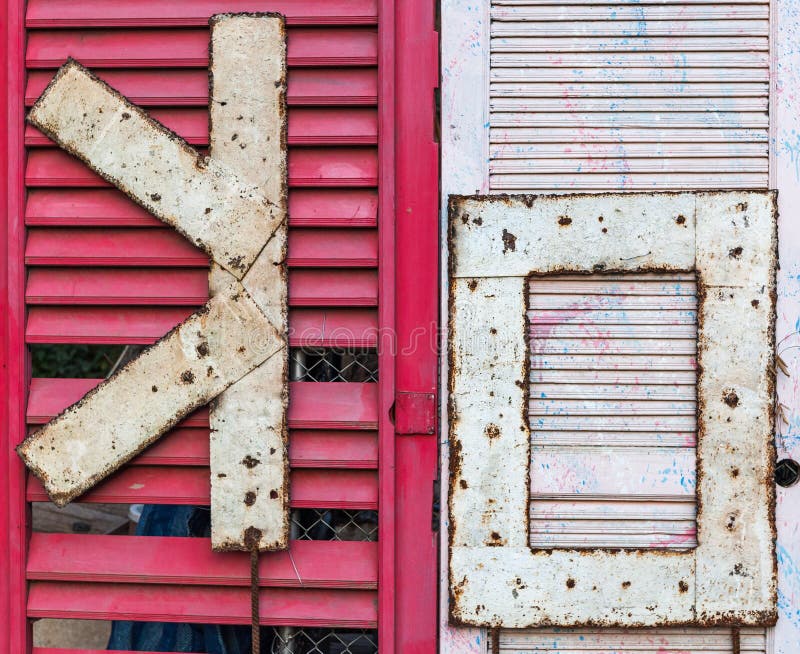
100, 270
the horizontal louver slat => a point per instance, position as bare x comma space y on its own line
110, 208
185, 87
311, 405
328, 248
201, 604
310, 489
307, 127
354, 328
126, 559
169, 286
188, 446
188, 48
146, 13
307, 167
639, 12
638, 641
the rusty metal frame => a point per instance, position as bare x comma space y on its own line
496, 243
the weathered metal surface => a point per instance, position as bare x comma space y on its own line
613, 410
199, 196
201, 357
249, 458
575, 233
490, 435
736, 261
234, 206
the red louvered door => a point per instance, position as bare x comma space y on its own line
99, 270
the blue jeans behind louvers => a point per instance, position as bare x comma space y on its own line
164, 520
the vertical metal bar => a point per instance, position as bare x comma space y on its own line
288, 643
298, 365
16, 633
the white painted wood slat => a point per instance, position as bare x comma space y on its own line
631, 641
612, 411
632, 76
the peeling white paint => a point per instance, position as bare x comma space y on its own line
495, 579
195, 362
199, 196
249, 457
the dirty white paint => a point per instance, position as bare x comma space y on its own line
196, 361
729, 576
735, 448
249, 458
785, 171
504, 237
234, 206
602, 95
200, 197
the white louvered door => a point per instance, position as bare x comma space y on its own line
608, 96
592, 95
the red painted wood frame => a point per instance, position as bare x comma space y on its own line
407, 320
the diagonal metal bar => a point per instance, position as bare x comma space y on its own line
200, 197
191, 365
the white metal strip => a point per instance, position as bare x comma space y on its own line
248, 448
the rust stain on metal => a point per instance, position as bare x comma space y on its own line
509, 241
159, 171
484, 386
730, 398
494, 636
248, 133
